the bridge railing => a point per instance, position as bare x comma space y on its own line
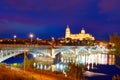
20, 45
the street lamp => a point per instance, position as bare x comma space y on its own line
14, 38
25, 56
37, 39
31, 36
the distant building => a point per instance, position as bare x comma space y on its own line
81, 36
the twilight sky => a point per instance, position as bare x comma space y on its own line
47, 18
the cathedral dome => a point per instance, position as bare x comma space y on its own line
82, 31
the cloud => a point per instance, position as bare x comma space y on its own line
109, 5
38, 5
9, 27
110, 8
3, 26
20, 19
63, 4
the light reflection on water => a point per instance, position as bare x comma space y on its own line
90, 60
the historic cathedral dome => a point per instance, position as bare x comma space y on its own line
82, 31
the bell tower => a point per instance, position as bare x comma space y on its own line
67, 35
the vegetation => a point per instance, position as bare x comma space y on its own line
6, 73
116, 77
75, 71
56, 75
12, 73
115, 39
28, 63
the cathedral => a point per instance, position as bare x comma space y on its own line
81, 36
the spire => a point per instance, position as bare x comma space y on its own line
67, 32
67, 26
83, 28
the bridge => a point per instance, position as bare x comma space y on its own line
7, 51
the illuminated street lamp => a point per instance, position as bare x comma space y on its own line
14, 38
31, 36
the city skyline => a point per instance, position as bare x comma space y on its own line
48, 19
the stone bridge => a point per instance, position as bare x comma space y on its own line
7, 51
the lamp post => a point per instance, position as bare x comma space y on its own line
14, 38
25, 51
31, 36
37, 39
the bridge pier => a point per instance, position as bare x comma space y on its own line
5, 53
1, 54
52, 53
53, 68
75, 50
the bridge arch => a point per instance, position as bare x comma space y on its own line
63, 51
82, 50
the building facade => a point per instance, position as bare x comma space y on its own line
81, 36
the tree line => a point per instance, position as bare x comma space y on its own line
115, 40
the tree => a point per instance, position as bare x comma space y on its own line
75, 71
115, 39
28, 63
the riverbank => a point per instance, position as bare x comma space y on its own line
12, 73
7, 73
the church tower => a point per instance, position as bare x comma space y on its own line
67, 35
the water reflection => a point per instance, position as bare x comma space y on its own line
90, 60
42, 66
96, 59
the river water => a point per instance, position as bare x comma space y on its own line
98, 66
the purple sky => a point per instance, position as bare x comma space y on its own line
47, 18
